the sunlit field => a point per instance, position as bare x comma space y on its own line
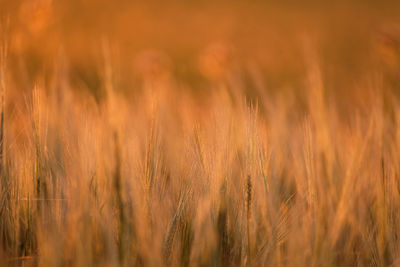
199, 133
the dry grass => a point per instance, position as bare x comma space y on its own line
217, 165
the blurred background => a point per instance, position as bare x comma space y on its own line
198, 43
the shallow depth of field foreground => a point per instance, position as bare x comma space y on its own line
199, 134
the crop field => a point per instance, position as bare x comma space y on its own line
199, 133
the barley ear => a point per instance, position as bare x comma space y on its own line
248, 202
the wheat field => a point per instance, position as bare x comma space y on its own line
199, 134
